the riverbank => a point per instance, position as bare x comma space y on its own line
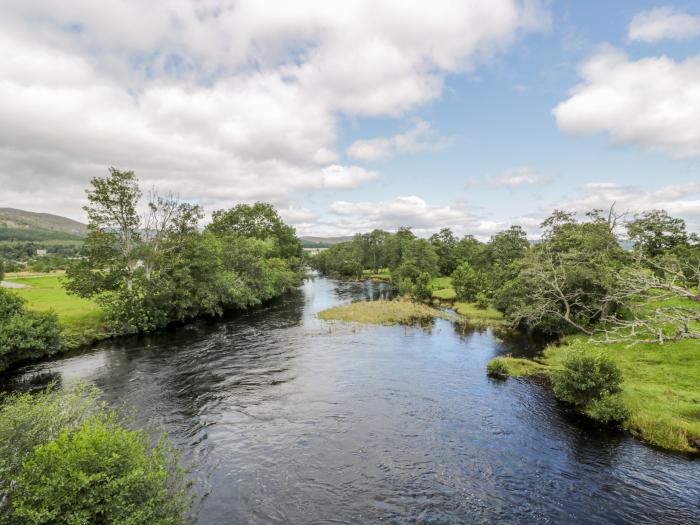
660, 388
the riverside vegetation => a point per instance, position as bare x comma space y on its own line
142, 270
627, 320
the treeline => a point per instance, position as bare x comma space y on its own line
149, 269
576, 278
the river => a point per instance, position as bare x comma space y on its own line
287, 418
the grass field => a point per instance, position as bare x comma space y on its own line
81, 318
661, 388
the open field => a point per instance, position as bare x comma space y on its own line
81, 318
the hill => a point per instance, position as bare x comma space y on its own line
25, 225
323, 242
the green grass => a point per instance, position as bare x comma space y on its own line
516, 366
472, 311
661, 389
383, 312
81, 318
381, 275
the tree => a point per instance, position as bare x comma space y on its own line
466, 282
445, 244
655, 231
259, 221
395, 245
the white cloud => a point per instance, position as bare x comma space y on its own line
420, 138
410, 211
653, 103
520, 176
662, 23
221, 101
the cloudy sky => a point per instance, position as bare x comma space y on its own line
351, 115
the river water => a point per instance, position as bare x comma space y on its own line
287, 418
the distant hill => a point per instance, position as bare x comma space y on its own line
24, 225
322, 242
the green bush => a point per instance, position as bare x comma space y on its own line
587, 376
25, 334
466, 282
65, 458
497, 368
423, 291
609, 409
482, 301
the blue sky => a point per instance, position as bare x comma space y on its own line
358, 116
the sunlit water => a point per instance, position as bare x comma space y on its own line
290, 419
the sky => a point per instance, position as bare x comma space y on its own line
354, 115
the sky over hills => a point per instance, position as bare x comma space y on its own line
351, 115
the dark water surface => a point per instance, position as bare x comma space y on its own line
290, 419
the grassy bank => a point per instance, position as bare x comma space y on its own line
383, 312
444, 294
81, 318
661, 388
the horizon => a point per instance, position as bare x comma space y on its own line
468, 115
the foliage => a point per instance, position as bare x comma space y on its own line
65, 458
423, 290
497, 367
609, 409
654, 232
149, 270
586, 376
101, 472
466, 282
25, 334
445, 244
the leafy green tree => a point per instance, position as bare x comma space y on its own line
445, 244
259, 221
395, 246
2, 269
655, 231
466, 282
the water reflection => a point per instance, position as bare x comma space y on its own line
289, 421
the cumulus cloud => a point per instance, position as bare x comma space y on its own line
662, 23
653, 103
420, 138
520, 176
410, 211
222, 101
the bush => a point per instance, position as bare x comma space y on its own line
25, 334
482, 301
102, 473
609, 409
497, 368
466, 282
65, 458
587, 376
423, 291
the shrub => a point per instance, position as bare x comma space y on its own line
587, 376
65, 458
465, 281
25, 334
482, 301
423, 291
497, 368
609, 409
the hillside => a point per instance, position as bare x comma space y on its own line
30, 226
322, 242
